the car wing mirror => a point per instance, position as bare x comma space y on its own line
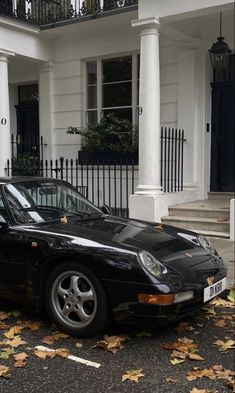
106, 210
3, 224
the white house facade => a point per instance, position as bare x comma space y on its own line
146, 61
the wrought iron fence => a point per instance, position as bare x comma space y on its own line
43, 12
172, 159
102, 182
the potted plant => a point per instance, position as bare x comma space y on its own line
112, 141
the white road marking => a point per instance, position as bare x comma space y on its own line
71, 357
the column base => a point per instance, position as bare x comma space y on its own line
148, 190
153, 207
147, 207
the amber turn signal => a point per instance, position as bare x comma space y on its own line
162, 300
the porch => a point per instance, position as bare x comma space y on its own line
213, 217
45, 13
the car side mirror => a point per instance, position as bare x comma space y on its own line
106, 210
3, 224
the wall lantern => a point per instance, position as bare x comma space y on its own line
220, 52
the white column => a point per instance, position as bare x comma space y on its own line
5, 131
144, 204
149, 113
46, 120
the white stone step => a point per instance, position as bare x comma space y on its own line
221, 195
198, 223
202, 211
214, 234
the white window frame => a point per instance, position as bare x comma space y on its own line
134, 83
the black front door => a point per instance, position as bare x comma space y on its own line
223, 137
28, 128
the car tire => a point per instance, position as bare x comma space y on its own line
76, 301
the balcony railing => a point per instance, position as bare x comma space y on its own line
46, 12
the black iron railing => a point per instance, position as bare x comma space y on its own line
27, 146
172, 159
44, 12
101, 182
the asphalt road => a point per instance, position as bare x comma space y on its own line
143, 349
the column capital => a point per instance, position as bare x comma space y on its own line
4, 54
46, 67
147, 23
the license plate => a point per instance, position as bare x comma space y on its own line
214, 289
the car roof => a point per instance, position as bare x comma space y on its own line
14, 179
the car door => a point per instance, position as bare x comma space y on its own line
13, 258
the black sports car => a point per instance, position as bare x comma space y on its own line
58, 247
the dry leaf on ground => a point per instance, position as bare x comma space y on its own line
6, 353
133, 375
225, 345
184, 326
13, 331
171, 380
111, 343
4, 372
4, 315
215, 372
34, 326
20, 359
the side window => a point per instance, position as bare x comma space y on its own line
17, 211
2, 207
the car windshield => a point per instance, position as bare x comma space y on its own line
44, 200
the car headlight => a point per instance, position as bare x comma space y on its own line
206, 244
151, 264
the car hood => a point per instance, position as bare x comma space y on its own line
168, 244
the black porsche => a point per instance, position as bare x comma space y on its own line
57, 247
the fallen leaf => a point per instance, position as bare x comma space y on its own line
4, 325
64, 220
13, 331
6, 353
184, 326
133, 375
15, 342
231, 295
34, 326
194, 356
215, 372
195, 390
49, 340
219, 302
62, 352
15, 313
42, 354
176, 361
225, 345
231, 384
54, 337
210, 280
21, 356
4, 372
220, 323
19, 363
79, 345
59, 335
111, 343
4, 315
210, 311
171, 380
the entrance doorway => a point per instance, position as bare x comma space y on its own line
27, 112
223, 136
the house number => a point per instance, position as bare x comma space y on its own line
3, 121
